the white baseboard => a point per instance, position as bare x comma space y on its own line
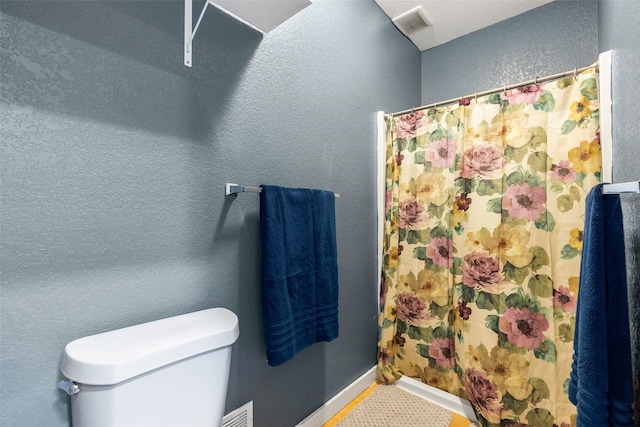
410, 385
437, 396
340, 400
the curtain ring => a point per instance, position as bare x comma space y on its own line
535, 81
575, 74
476, 96
504, 88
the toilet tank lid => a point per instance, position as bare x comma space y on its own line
115, 356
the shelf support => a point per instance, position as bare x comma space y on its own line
189, 34
262, 16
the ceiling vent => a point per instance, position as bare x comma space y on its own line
412, 21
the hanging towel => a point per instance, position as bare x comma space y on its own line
299, 270
600, 384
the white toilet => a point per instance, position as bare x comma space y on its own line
167, 373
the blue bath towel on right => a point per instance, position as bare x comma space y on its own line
601, 384
299, 270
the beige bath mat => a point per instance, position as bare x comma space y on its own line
390, 406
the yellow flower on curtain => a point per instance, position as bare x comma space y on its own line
510, 244
575, 238
478, 134
457, 216
474, 356
431, 188
408, 189
579, 109
393, 170
393, 257
510, 129
434, 377
573, 284
433, 286
391, 313
586, 158
393, 222
407, 282
474, 241
509, 372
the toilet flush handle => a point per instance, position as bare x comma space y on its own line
69, 387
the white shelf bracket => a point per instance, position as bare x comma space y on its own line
263, 16
190, 33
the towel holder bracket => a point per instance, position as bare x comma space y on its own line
234, 189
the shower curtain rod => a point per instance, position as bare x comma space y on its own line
499, 89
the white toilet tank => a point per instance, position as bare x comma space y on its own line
167, 373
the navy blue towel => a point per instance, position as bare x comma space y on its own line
299, 270
601, 385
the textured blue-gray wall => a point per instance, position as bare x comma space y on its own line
114, 159
619, 23
557, 37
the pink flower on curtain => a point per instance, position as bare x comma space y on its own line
410, 213
563, 299
528, 94
523, 328
440, 251
411, 124
411, 309
483, 394
563, 172
441, 153
482, 270
483, 161
443, 351
524, 201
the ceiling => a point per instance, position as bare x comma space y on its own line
451, 19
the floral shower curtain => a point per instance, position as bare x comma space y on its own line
483, 234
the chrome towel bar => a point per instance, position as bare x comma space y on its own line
234, 189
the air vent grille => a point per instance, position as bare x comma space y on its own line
241, 417
411, 21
